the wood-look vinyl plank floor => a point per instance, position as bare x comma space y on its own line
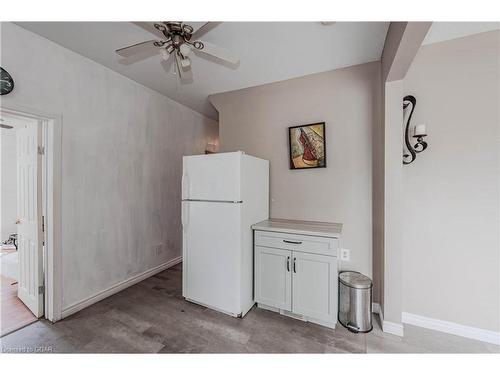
13, 313
152, 317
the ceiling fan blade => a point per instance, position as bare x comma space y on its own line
195, 25
202, 29
150, 26
218, 52
135, 49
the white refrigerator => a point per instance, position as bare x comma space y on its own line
222, 196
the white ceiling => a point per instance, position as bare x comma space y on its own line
441, 31
268, 51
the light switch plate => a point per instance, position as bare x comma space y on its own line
345, 255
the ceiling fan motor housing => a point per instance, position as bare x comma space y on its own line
177, 34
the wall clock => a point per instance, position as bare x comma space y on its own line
6, 82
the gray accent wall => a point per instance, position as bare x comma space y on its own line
122, 151
256, 121
451, 257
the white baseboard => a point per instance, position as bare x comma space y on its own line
392, 328
484, 335
387, 327
86, 302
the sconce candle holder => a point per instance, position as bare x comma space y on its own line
419, 133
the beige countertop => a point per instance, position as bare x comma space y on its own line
309, 228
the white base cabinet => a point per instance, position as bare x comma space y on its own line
296, 275
273, 281
314, 281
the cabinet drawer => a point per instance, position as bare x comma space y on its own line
296, 242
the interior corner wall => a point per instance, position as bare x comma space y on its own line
378, 188
402, 42
451, 258
256, 121
8, 183
122, 148
392, 260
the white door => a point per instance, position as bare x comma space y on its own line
29, 218
314, 286
273, 279
213, 177
212, 254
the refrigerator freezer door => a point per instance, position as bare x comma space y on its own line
212, 254
213, 177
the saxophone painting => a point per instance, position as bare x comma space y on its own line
307, 146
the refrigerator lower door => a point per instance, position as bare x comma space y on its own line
212, 254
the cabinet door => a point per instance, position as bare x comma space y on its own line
315, 286
273, 277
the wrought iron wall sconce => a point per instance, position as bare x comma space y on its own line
409, 103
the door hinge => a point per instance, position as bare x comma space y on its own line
43, 224
41, 150
41, 289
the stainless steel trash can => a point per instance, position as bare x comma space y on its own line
355, 301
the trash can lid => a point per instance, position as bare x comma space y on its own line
355, 280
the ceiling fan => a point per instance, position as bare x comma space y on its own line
178, 39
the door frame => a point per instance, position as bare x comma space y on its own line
51, 203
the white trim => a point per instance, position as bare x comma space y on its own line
51, 202
387, 327
392, 328
484, 335
53, 212
67, 311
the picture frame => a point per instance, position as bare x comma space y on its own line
307, 146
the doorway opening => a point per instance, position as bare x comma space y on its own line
26, 201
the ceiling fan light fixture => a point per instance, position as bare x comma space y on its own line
185, 62
185, 49
170, 48
187, 29
164, 54
176, 40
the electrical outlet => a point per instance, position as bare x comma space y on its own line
345, 255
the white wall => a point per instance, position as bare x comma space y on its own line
8, 183
401, 45
392, 262
451, 258
121, 169
256, 120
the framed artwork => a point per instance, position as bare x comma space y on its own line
307, 146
